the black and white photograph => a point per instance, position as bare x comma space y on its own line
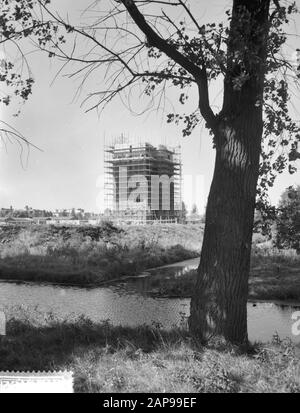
149, 199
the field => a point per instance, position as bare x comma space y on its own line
92, 255
145, 359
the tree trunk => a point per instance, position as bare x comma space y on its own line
219, 304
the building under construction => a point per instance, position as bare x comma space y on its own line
142, 182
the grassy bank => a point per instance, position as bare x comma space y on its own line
119, 359
274, 275
92, 255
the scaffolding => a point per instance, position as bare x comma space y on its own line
142, 182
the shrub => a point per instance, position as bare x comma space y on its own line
288, 222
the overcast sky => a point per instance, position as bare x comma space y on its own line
69, 171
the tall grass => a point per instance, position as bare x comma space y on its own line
144, 359
274, 275
91, 255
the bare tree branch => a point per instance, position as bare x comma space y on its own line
9, 131
198, 73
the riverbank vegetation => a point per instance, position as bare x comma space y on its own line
96, 255
92, 255
144, 359
274, 275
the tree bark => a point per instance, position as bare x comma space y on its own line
219, 303
218, 306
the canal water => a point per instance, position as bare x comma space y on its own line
127, 303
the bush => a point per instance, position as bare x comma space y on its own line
288, 222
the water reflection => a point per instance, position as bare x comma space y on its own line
127, 303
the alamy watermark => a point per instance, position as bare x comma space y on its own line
296, 60
296, 325
151, 192
137, 188
2, 324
